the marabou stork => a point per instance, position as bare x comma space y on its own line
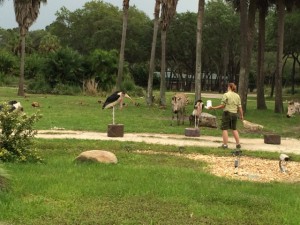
14, 105
114, 99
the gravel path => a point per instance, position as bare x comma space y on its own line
288, 145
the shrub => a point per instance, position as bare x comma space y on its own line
7, 62
34, 65
16, 136
38, 85
63, 89
63, 67
7, 80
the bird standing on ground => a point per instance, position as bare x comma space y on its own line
114, 99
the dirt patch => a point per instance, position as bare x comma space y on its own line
250, 169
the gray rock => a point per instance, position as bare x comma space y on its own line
208, 120
97, 156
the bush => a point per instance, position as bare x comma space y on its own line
62, 89
16, 136
8, 80
129, 86
34, 65
38, 86
8, 62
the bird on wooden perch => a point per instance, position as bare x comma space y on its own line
114, 99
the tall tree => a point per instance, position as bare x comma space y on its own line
280, 41
260, 81
26, 12
168, 9
121, 58
153, 50
242, 88
199, 50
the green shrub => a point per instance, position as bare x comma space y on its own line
129, 86
8, 62
63, 89
16, 136
63, 67
7, 80
34, 65
38, 85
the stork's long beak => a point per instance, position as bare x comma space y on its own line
127, 96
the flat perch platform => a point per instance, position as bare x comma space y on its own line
115, 130
192, 132
272, 139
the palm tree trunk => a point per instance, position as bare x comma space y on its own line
243, 62
199, 50
280, 39
168, 11
121, 58
163, 69
153, 51
261, 101
22, 65
225, 62
293, 74
250, 41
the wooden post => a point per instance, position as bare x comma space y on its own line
192, 132
272, 139
115, 130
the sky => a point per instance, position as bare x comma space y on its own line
47, 12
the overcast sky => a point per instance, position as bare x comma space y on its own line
47, 12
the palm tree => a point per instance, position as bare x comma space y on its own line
153, 48
247, 11
168, 9
243, 62
198, 50
26, 12
260, 82
121, 58
280, 40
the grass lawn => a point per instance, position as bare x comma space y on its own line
140, 189
85, 113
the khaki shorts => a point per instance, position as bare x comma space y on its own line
229, 120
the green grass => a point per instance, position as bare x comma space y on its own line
85, 113
140, 189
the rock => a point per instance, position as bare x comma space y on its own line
252, 126
208, 120
97, 156
35, 104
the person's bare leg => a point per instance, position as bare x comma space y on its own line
225, 137
236, 136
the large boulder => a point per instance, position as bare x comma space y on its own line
97, 156
208, 120
252, 126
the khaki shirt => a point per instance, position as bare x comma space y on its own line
232, 102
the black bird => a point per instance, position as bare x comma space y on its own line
114, 99
13, 106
